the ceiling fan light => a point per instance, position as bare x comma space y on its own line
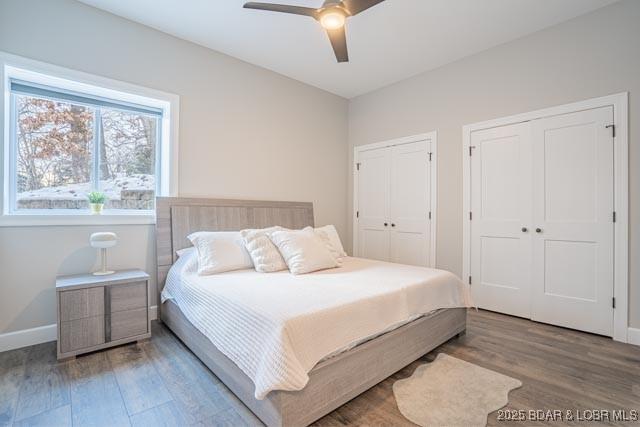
332, 20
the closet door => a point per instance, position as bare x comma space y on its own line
410, 204
501, 196
374, 176
573, 209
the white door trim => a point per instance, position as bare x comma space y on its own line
620, 103
433, 138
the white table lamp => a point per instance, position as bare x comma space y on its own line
103, 241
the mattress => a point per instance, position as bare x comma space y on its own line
276, 326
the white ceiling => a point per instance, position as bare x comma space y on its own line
387, 43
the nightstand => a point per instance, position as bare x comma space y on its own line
96, 312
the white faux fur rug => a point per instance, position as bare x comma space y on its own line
452, 392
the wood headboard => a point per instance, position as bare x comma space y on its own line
177, 217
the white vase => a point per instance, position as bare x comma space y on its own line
96, 208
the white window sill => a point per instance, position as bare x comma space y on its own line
45, 218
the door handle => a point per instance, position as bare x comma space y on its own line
385, 224
393, 225
538, 230
524, 229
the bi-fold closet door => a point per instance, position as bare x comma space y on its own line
501, 216
541, 220
393, 203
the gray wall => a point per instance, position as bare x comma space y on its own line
245, 132
297, 134
593, 55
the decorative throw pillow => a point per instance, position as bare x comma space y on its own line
265, 255
220, 251
303, 250
324, 237
333, 240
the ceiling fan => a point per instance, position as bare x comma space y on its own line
332, 15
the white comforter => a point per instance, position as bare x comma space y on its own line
276, 326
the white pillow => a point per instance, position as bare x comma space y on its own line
334, 240
184, 251
220, 251
303, 250
324, 237
265, 255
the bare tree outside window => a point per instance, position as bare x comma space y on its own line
53, 152
127, 157
57, 155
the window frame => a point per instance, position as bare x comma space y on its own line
16, 68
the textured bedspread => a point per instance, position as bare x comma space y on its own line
276, 327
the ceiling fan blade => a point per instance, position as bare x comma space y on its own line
356, 6
284, 8
338, 40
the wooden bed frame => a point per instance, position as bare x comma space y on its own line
332, 382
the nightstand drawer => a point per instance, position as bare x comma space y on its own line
128, 323
81, 333
128, 297
81, 303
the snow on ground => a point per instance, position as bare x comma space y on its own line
112, 188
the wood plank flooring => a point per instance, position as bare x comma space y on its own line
161, 383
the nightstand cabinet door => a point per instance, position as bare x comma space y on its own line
81, 333
81, 303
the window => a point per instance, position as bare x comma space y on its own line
67, 144
67, 134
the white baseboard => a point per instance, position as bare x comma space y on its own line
27, 337
633, 336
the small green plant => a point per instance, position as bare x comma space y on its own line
96, 197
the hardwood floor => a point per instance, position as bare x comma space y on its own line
159, 382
